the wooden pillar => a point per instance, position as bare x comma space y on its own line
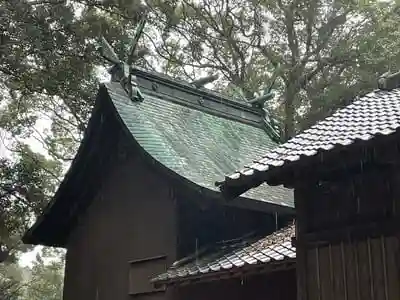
301, 254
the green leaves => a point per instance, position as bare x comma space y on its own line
46, 276
43, 280
323, 47
10, 282
26, 185
48, 63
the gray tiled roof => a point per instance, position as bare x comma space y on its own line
200, 146
377, 113
232, 256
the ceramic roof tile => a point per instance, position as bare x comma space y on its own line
197, 145
232, 256
377, 113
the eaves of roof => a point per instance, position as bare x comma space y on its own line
361, 123
230, 259
192, 144
197, 135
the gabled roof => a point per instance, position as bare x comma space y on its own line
196, 133
231, 258
375, 114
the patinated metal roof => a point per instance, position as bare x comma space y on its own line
201, 136
377, 113
233, 256
196, 134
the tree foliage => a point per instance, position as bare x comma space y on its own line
11, 287
26, 185
43, 280
46, 278
324, 52
48, 64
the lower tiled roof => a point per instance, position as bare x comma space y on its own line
233, 256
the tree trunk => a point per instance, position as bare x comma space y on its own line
289, 123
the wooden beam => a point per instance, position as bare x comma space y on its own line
347, 233
300, 198
147, 259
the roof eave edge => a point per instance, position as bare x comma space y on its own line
260, 268
28, 237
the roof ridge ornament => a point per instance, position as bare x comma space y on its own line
259, 102
389, 81
271, 125
121, 71
198, 83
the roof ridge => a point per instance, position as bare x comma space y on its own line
206, 100
193, 89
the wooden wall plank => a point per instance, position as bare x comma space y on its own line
363, 270
391, 252
325, 274
300, 195
312, 274
350, 267
338, 284
356, 270
346, 229
377, 269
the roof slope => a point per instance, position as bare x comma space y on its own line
234, 256
377, 113
196, 134
201, 143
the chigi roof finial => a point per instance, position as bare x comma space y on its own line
259, 101
121, 71
389, 81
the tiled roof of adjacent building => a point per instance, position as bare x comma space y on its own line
376, 113
233, 257
200, 137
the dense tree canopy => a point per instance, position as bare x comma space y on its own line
41, 281
322, 53
11, 278
45, 280
25, 188
48, 63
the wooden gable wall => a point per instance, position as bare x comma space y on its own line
129, 229
348, 237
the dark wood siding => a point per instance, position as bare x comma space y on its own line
348, 237
365, 269
275, 286
351, 200
131, 219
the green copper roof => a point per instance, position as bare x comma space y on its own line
198, 144
195, 133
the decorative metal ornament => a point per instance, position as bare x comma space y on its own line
121, 71
198, 83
